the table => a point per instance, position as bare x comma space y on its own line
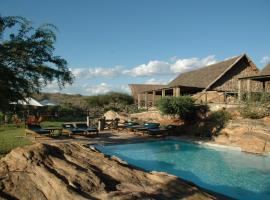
54, 129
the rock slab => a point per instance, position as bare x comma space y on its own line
72, 171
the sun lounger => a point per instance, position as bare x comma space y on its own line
87, 129
146, 126
161, 131
36, 129
127, 125
69, 128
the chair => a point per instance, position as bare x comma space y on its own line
36, 130
69, 128
127, 125
87, 129
161, 131
146, 126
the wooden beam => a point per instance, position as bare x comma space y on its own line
163, 93
146, 100
263, 86
139, 100
153, 100
177, 91
239, 91
205, 93
248, 89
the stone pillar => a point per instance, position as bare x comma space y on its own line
163, 93
177, 91
239, 91
146, 100
248, 89
153, 100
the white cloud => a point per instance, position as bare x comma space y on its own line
265, 59
183, 65
85, 73
97, 89
154, 67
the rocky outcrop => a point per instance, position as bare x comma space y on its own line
72, 171
250, 135
155, 116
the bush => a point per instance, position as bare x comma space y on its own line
219, 118
254, 111
183, 107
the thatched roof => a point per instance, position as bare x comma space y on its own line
205, 76
140, 88
265, 71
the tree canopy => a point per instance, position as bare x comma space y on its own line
27, 60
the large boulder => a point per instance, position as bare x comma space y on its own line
72, 171
112, 115
251, 136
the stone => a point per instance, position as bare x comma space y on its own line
252, 144
222, 139
72, 171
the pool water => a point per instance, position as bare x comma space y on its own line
232, 173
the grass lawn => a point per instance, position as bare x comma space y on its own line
12, 136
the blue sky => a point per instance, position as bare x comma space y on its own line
109, 44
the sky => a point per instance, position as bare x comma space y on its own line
109, 44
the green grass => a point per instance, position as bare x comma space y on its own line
51, 124
11, 137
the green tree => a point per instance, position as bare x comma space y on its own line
27, 60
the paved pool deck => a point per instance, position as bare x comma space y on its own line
122, 137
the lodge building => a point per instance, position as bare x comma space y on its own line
223, 82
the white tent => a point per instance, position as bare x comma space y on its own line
29, 101
48, 102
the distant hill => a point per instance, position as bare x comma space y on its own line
74, 100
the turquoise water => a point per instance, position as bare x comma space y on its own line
235, 174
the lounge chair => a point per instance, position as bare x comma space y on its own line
146, 126
69, 128
161, 131
36, 129
87, 129
127, 125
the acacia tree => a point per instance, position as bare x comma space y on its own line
27, 60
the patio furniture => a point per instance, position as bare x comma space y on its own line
87, 129
146, 126
54, 130
69, 128
36, 129
161, 131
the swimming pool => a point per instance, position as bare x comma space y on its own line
233, 173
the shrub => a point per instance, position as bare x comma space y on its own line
183, 107
219, 118
254, 111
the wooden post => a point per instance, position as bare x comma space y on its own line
205, 93
153, 100
146, 100
248, 89
263, 86
139, 100
239, 91
163, 93
177, 91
